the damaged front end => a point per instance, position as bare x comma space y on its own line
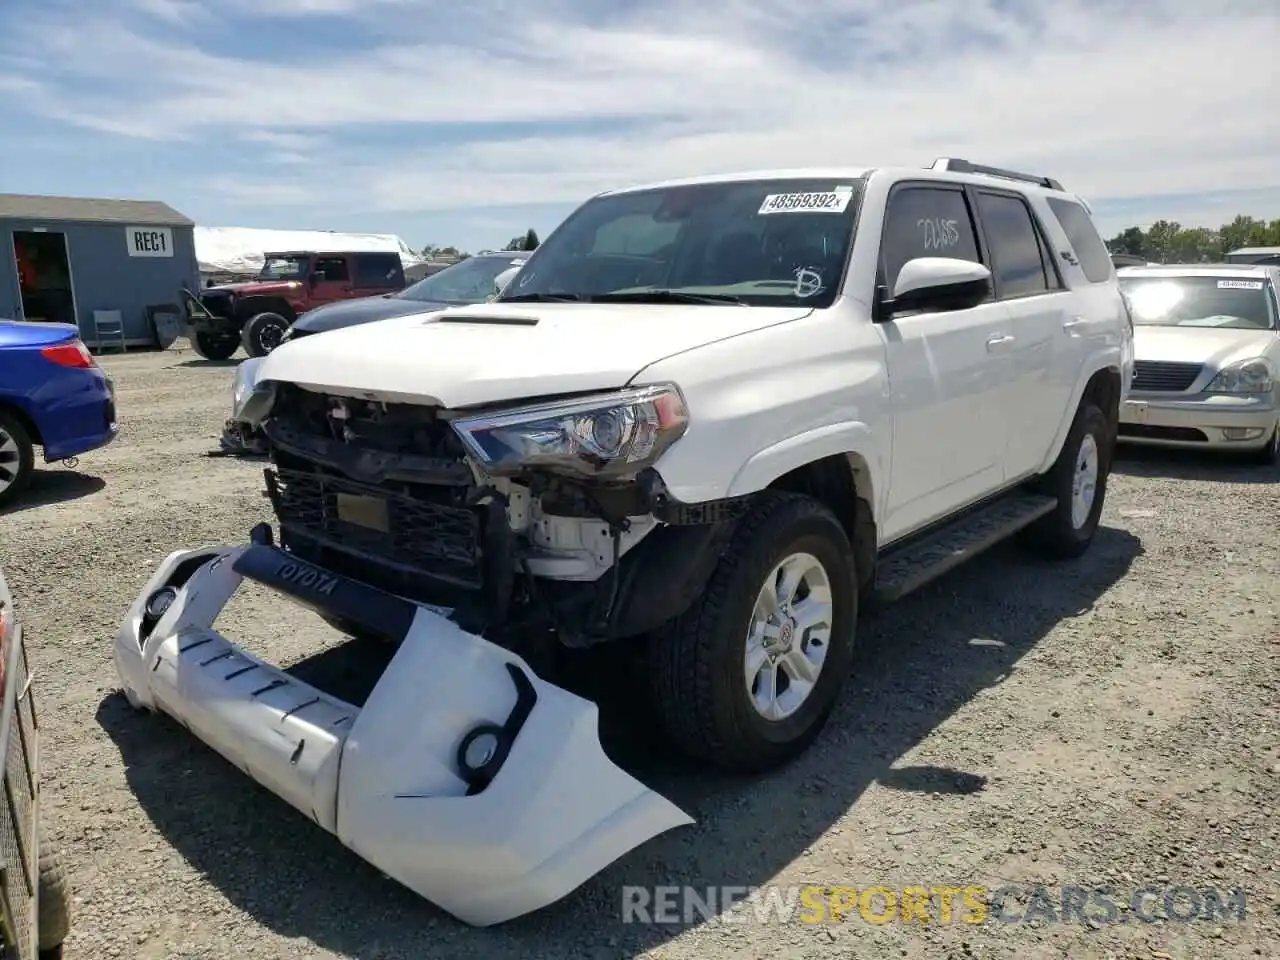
546, 519
466, 540
464, 775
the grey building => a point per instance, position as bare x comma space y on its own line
74, 260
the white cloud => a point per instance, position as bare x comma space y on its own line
1113, 99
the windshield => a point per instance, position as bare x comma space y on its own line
468, 281
758, 242
1232, 303
283, 268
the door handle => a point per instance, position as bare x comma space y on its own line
1071, 324
995, 343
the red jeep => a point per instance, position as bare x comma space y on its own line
256, 314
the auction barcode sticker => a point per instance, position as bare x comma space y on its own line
1239, 284
830, 201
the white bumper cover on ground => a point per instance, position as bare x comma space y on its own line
385, 778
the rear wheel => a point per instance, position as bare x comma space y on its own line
746, 678
213, 346
263, 333
1078, 480
17, 458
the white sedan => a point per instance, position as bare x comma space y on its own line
1207, 358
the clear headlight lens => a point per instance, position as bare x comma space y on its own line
1247, 376
605, 435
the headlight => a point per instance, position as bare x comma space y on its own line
1247, 376
605, 435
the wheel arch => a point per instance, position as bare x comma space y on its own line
250, 307
1103, 384
831, 465
24, 418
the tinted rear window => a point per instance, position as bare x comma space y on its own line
1088, 246
379, 270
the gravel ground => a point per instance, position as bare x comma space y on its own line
1110, 721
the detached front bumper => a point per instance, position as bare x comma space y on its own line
1218, 421
465, 776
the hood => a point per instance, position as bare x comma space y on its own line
491, 352
254, 286
1208, 345
348, 313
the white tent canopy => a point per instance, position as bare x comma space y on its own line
240, 249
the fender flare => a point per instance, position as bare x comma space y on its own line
1097, 361
778, 459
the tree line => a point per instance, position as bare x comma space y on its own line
1167, 241
524, 241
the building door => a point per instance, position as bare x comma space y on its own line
10, 294
44, 276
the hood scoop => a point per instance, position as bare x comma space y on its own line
481, 320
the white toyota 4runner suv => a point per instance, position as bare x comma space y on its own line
713, 416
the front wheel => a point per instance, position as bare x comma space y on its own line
747, 677
212, 346
1269, 455
263, 333
53, 903
1078, 481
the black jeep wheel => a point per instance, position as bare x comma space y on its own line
214, 346
263, 333
746, 678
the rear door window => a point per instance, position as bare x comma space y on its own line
1016, 257
379, 270
333, 269
1089, 249
926, 221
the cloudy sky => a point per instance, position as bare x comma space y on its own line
467, 121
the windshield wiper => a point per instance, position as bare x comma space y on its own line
542, 298
664, 296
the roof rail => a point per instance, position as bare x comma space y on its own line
956, 165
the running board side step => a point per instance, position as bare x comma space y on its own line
904, 569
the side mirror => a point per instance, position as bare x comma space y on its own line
937, 283
505, 277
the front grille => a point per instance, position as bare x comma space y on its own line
1147, 432
1161, 376
439, 541
219, 304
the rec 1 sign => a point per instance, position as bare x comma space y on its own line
149, 241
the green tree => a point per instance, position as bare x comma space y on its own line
1168, 242
526, 241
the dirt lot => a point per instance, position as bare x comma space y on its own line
1115, 721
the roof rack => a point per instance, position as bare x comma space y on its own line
956, 165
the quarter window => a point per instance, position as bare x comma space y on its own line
1015, 247
1089, 248
926, 222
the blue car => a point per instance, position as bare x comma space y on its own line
52, 394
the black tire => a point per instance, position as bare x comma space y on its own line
263, 333
1269, 455
213, 346
54, 920
17, 458
1059, 535
696, 666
